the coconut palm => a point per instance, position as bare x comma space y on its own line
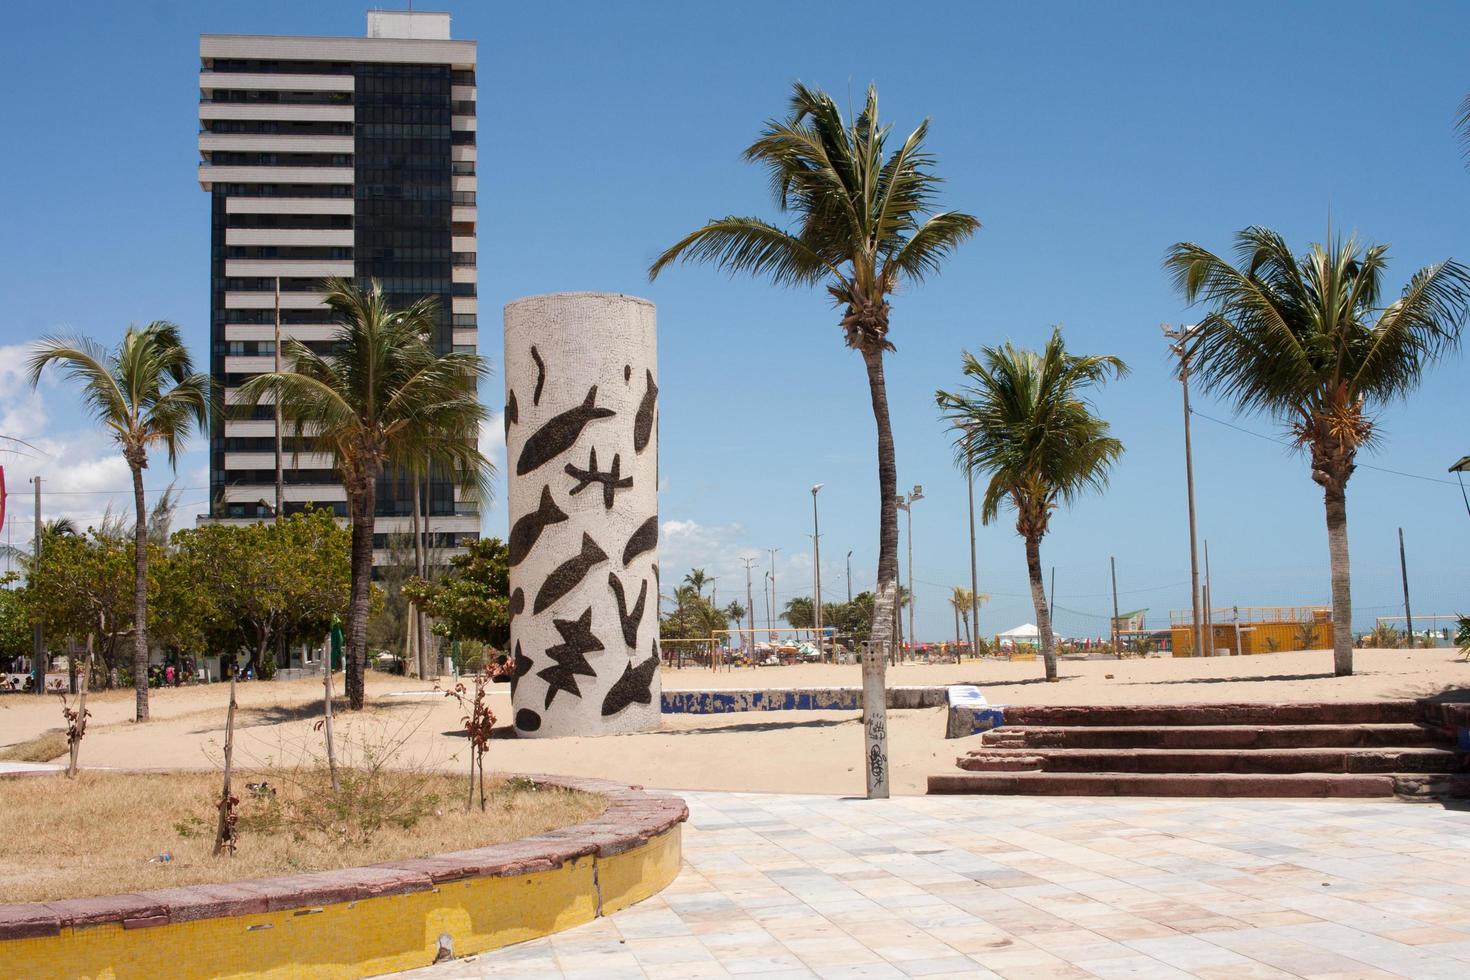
864, 222
1024, 419
963, 600
146, 393
697, 580
382, 397
1307, 340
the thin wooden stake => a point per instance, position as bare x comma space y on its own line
224, 837
327, 715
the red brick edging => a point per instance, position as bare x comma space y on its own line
631, 819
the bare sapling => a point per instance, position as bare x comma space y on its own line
224, 836
479, 723
76, 718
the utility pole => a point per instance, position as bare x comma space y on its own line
766, 595
1117, 633
38, 638
280, 465
1404, 571
849, 578
817, 575
749, 607
1179, 336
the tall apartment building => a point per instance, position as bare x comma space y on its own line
333, 156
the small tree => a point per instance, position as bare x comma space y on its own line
472, 600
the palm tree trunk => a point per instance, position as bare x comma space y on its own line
1038, 600
140, 594
364, 504
956, 631
875, 689
1335, 496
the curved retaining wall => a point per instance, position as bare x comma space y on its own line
357, 922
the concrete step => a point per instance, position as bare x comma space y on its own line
1247, 713
1310, 760
1224, 785
1215, 737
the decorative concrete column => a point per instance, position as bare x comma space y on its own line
581, 439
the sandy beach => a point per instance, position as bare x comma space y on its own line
793, 751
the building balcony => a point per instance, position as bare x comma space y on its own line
299, 237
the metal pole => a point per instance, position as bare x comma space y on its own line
775, 607
1051, 605
280, 466
817, 575
38, 637
1194, 593
849, 578
766, 596
1117, 633
912, 635
1209, 613
974, 576
749, 607
1404, 571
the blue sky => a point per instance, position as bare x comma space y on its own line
1087, 138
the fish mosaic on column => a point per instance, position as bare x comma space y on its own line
581, 414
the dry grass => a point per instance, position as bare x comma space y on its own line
43, 748
95, 835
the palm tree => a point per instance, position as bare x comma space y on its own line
1306, 341
959, 599
864, 223
697, 580
146, 392
382, 397
1024, 419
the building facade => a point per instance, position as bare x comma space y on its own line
334, 156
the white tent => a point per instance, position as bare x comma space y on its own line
1025, 633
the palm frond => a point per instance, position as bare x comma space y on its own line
749, 245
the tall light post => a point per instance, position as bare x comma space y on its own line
974, 575
849, 578
817, 573
766, 595
907, 506
749, 607
775, 608
1178, 337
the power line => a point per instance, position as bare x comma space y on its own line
1290, 443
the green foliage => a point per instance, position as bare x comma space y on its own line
471, 601
83, 583
800, 613
228, 587
1384, 637
15, 624
1462, 635
693, 618
1024, 420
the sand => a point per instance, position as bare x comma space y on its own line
791, 751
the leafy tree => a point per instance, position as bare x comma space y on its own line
15, 624
735, 613
83, 584
1025, 420
252, 586
147, 394
471, 601
863, 224
1308, 340
381, 397
697, 580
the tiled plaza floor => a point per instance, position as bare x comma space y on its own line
797, 886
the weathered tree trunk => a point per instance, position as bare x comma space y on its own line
364, 503
1038, 600
1335, 497
140, 592
327, 716
224, 835
875, 689
420, 569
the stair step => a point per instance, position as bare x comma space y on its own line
1215, 737
1246, 713
1224, 785
1394, 759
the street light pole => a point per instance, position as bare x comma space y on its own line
817, 574
974, 576
917, 493
849, 578
1179, 336
775, 608
749, 607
